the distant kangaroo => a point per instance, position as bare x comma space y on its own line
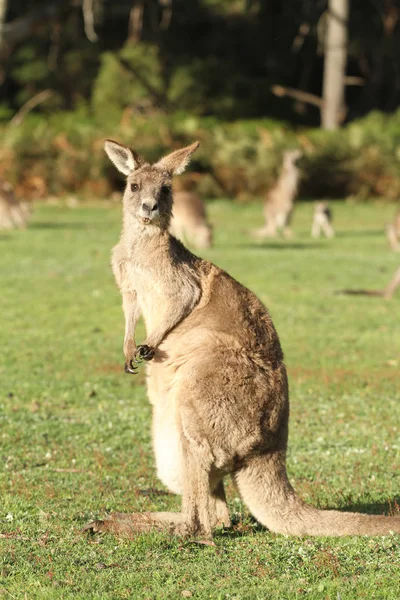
189, 219
216, 378
322, 220
393, 232
12, 212
393, 284
279, 200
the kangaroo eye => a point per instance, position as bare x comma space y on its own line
165, 189
134, 187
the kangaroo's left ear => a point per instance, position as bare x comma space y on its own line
176, 162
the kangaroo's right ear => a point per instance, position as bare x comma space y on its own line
125, 159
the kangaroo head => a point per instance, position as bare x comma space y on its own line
291, 156
148, 193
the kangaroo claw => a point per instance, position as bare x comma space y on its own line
144, 352
130, 368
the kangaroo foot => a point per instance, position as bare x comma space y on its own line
129, 524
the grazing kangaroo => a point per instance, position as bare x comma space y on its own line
216, 378
12, 212
322, 221
189, 219
279, 201
393, 232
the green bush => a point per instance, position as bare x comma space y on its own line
242, 159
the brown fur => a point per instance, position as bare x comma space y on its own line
189, 219
279, 201
393, 232
217, 382
13, 214
322, 221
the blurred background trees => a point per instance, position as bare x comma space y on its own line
246, 76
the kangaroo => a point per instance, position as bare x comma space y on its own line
215, 376
279, 201
393, 284
189, 220
322, 221
393, 232
12, 212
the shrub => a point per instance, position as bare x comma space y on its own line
64, 153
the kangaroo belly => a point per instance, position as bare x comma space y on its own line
168, 451
166, 438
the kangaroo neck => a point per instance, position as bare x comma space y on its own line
144, 240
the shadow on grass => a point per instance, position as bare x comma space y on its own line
376, 508
271, 245
57, 225
153, 492
361, 233
355, 292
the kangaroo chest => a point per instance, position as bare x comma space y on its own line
160, 290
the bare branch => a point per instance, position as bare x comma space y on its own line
306, 97
29, 105
88, 19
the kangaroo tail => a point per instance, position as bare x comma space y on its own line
265, 489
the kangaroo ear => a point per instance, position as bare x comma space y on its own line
125, 159
176, 162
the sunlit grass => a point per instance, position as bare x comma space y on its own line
75, 430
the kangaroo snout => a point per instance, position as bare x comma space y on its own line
149, 210
150, 207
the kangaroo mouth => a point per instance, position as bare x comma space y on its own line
146, 220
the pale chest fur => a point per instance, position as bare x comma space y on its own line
158, 285
289, 182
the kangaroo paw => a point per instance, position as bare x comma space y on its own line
144, 352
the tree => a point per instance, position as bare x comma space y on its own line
335, 63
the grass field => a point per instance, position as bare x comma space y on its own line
75, 430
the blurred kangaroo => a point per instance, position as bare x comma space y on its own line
279, 200
393, 284
12, 212
215, 378
393, 232
189, 219
322, 220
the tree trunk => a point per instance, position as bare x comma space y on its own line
3, 11
335, 63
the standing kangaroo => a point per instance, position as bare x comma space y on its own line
13, 214
322, 221
189, 220
216, 378
393, 232
279, 201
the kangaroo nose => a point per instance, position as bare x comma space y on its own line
147, 208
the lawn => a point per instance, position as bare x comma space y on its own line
75, 430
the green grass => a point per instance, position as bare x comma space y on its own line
75, 430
